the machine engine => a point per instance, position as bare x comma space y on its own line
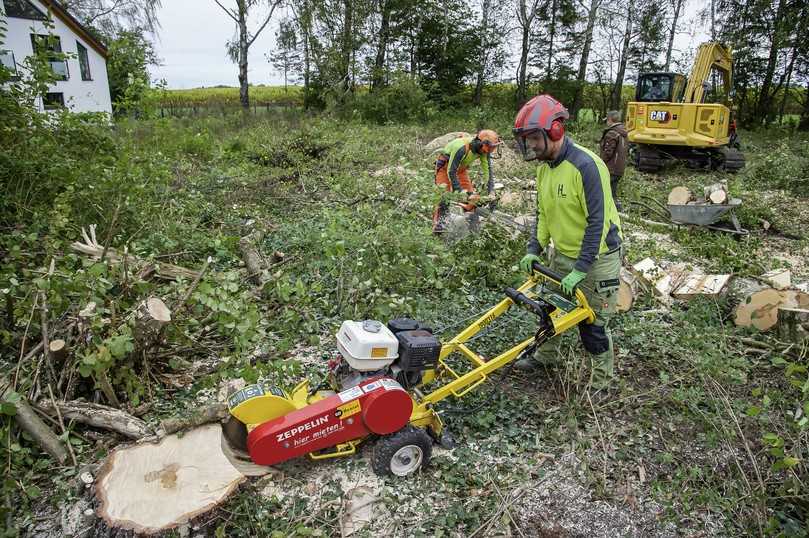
403, 350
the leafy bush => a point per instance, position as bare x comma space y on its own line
402, 101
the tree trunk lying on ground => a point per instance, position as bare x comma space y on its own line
211, 413
29, 421
99, 416
152, 487
754, 304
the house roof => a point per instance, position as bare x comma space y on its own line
72, 23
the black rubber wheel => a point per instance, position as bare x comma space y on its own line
402, 453
236, 433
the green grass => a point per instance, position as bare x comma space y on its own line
701, 413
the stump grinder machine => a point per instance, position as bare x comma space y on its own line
385, 383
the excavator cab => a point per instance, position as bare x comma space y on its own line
660, 87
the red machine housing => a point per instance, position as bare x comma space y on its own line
378, 405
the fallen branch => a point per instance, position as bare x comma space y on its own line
34, 426
252, 258
211, 413
181, 304
99, 416
91, 248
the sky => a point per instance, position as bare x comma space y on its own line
192, 36
191, 44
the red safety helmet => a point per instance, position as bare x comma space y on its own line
542, 114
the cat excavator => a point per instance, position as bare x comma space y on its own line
670, 120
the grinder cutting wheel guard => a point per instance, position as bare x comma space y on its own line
384, 385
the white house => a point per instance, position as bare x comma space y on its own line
82, 84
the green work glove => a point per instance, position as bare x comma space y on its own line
527, 262
572, 280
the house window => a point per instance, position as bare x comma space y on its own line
50, 46
84, 61
7, 60
23, 9
53, 101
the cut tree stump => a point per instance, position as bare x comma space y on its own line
99, 416
793, 324
152, 487
150, 318
716, 193
680, 196
58, 350
252, 259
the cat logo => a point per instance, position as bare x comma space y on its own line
659, 115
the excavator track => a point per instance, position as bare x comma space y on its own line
729, 159
649, 159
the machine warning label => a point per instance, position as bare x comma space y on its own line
370, 387
250, 391
350, 394
390, 384
346, 410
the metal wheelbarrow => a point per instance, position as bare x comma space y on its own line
698, 214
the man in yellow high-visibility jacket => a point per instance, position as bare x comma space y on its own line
576, 210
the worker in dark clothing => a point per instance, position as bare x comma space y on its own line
574, 209
451, 170
612, 150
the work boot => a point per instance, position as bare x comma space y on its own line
540, 359
528, 364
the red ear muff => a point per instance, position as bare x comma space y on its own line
557, 130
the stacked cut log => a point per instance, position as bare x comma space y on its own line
716, 193
680, 196
712, 194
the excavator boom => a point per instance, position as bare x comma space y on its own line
710, 56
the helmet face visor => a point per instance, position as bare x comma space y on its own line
525, 146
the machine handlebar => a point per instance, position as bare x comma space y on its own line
547, 271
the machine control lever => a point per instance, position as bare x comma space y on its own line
519, 297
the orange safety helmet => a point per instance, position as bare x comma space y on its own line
488, 141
